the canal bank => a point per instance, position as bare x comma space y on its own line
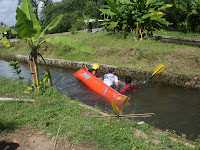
165, 79
51, 112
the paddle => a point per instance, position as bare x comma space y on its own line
158, 69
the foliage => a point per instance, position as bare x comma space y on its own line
184, 14
35, 4
139, 16
16, 67
29, 29
88, 21
3, 38
72, 14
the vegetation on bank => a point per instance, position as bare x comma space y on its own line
178, 34
184, 15
113, 49
50, 108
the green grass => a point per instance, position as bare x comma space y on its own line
49, 109
178, 34
111, 49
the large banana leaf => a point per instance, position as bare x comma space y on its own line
156, 15
163, 21
5, 41
112, 25
24, 25
72, 43
125, 1
113, 6
13, 31
27, 8
146, 16
107, 12
150, 2
51, 25
165, 6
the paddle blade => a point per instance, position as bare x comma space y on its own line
127, 99
158, 69
116, 109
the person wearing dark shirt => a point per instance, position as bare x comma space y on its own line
93, 70
129, 87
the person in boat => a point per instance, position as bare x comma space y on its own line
93, 70
129, 87
111, 79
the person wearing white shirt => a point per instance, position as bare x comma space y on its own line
111, 79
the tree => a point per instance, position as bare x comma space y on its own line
29, 29
72, 13
185, 15
137, 16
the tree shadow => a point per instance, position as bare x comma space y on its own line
8, 145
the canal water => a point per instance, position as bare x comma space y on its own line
176, 109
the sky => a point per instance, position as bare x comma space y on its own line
8, 11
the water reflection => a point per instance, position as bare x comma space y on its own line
176, 109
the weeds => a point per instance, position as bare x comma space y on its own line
16, 68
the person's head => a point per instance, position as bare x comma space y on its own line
95, 67
127, 79
111, 70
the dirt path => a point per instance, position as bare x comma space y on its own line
29, 139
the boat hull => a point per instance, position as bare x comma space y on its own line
99, 87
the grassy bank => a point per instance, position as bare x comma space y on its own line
178, 34
125, 53
49, 110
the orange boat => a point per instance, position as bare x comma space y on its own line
99, 87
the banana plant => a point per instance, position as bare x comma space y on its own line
3, 38
29, 29
88, 21
112, 13
137, 16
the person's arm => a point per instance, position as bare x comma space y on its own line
83, 65
136, 86
116, 81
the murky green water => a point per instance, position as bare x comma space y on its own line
176, 109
